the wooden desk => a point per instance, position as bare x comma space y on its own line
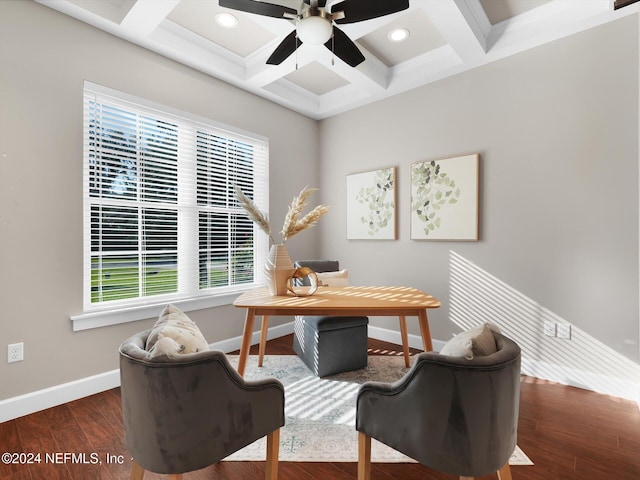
348, 301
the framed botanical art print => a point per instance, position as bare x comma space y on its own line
444, 199
371, 205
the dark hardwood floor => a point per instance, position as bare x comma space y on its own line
569, 433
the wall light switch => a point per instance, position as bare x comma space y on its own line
550, 329
564, 331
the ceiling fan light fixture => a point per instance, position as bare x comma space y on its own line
226, 20
398, 35
315, 28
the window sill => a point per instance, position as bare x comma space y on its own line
104, 318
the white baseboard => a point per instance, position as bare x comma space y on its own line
57, 395
50, 397
232, 344
67, 392
392, 336
608, 385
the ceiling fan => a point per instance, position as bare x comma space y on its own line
315, 23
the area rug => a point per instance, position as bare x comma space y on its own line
320, 412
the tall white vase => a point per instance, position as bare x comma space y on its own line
278, 269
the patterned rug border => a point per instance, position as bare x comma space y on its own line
323, 429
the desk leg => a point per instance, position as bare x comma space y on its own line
405, 340
247, 333
423, 320
263, 338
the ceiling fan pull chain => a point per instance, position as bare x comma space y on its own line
333, 50
297, 46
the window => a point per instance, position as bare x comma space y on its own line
161, 220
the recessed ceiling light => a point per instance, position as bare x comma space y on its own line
398, 35
226, 20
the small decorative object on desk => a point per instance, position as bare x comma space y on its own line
302, 273
279, 267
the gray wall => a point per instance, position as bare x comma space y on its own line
556, 128
44, 58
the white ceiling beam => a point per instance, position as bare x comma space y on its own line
546, 23
145, 16
294, 96
459, 22
341, 99
259, 73
477, 19
277, 26
360, 29
371, 75
430, 66
182, 45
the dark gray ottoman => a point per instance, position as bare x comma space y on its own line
330, 345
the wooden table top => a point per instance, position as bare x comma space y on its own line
340, 301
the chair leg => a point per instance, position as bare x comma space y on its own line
364, 456
273, 449
505, 472
175, 476
467, 478
263, 339
137, 472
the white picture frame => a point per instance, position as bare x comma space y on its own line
371, 205
444, 199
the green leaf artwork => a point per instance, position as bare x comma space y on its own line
378, 198
433, 189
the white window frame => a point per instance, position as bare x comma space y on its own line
189, 296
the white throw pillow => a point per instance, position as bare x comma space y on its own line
477, 341
173, 334
333, 279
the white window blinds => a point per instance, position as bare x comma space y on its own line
161, 218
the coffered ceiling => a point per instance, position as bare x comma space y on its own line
445, 37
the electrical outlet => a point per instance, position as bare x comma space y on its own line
550, 328
564, 331
15, 352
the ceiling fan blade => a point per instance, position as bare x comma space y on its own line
286, 48
259, 8
344, 48
359, 10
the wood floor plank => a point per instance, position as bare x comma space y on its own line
104, 437
76, 451
569, 433
11, 444
36, 437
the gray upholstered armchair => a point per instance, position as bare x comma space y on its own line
454, 415
185, 414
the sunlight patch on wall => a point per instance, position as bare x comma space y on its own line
476, 297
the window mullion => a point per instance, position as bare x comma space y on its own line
188, 258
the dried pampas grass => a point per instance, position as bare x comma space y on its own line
294, 222
253, 212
